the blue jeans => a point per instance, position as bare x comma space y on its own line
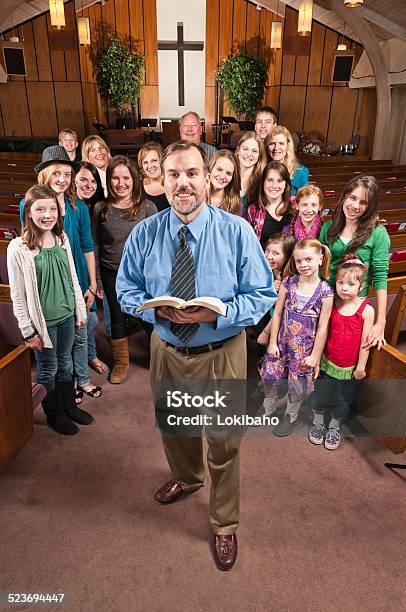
92, 321
56, 362
79, 357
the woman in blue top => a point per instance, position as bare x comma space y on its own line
56, 171
279, 146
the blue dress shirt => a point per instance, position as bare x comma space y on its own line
229, 264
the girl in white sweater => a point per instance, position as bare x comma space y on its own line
46, 299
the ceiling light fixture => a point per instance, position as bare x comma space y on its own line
304, 26
83, 24
83, 30
276, 32
353, 3
57, 13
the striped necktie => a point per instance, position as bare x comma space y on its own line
183, 284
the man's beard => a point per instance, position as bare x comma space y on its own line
178, 207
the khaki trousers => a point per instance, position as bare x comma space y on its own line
185, 454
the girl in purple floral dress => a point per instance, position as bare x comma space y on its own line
298, 331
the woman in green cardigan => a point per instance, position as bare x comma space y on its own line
355, 228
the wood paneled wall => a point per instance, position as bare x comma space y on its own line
59, 89
299, 87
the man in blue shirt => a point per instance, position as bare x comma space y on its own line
222, 258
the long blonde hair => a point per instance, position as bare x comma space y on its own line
44, 177
308, 243
231, 202
290, 160
255, 177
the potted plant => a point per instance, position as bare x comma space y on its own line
119, 73
243, 78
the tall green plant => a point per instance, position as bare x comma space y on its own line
243, 78
120, 73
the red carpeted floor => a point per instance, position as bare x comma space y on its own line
320, 530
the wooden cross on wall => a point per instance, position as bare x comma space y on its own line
180, 46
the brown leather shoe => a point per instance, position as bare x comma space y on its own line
225, 551
170, 492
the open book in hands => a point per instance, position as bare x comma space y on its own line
211, 303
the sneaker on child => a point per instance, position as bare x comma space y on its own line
317, 433
332, 439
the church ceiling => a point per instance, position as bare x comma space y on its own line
387, 18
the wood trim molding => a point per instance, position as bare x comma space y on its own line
383, 94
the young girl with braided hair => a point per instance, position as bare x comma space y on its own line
345, 356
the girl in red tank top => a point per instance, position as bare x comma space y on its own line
344, 360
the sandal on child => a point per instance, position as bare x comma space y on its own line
101, 369
78, 397
94, 392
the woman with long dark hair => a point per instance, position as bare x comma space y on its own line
355, 228
113, 221
273, 210
251, 156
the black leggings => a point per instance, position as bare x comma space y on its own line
118, 318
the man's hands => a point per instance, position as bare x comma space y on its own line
193, 314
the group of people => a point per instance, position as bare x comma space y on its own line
191, 221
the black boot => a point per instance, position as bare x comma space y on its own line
56, 417
67, 389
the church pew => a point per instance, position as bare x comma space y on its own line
314, 161
16, 166
19, 397
334, 188
395, 318
383, 178
25, 159
374, 170
380, 406
3, 261
10, 220
17, 177
17, 189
